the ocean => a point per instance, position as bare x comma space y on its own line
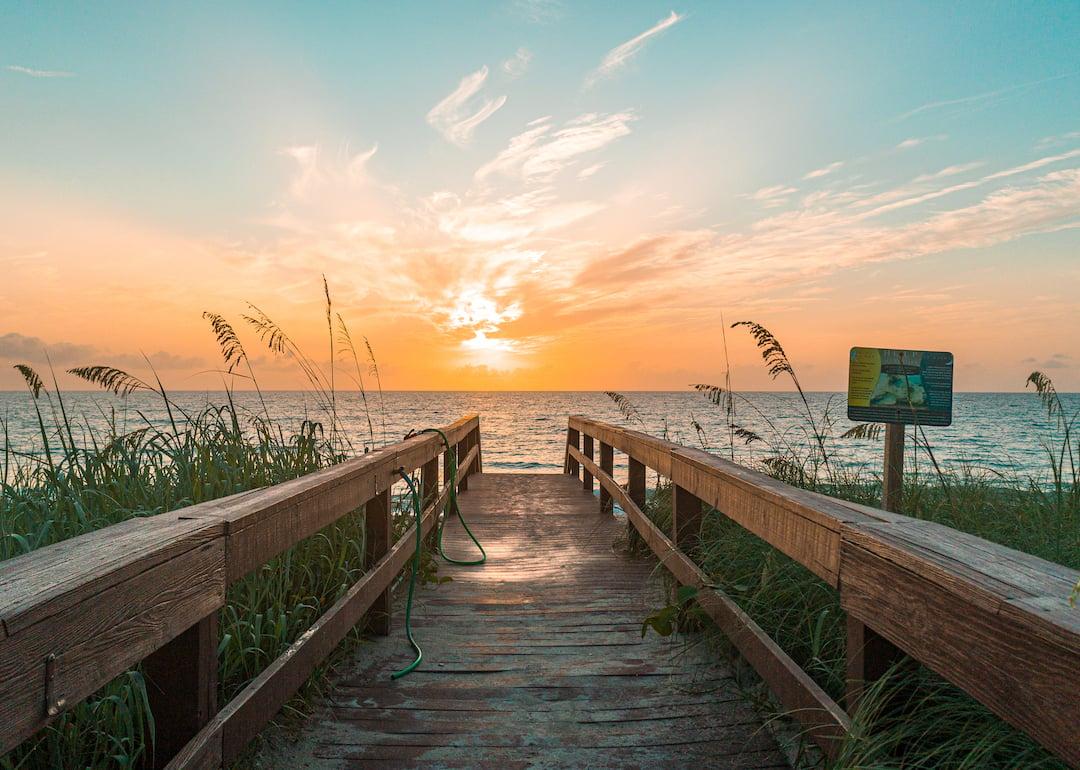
999, 433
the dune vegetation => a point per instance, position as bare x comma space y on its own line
936, 725
81, 479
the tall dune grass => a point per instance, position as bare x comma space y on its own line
80, 479
936, 725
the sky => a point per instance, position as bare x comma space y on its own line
533, 194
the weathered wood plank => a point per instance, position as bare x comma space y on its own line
780, 515
573, 439
825, 720
1022, 677
495, 678
247, 713
686, 512
378, 534
51, 580
892, 479
181, 687
107, 633
587, 451
259, 529
801, 524
607, 464
652, 451
869, 657
97, 604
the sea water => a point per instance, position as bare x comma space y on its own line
994, 433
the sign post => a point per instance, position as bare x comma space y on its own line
898, 388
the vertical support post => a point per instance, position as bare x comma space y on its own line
685, 520
181, 684
869, 656
429, 485
479, 449
635, 488
892, 486
586, 477
573, 439
378, 536
462, 449
607, 465
447, 458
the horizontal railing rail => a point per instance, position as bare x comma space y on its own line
994, 621
76, 614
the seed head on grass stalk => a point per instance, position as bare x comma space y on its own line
779, 364
626, 408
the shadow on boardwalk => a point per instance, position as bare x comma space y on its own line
535, 659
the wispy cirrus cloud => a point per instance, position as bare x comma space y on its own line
953, 170
620, 55
539, 11
1050, 141
36, 73
916, 141
541, 151
771, 197
311, 171
963, 102
516, 65
457, 116
514, 261
817, 173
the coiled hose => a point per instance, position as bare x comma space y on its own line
419, 514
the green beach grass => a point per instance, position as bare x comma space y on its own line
935, 724
82, 479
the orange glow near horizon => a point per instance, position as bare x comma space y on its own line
543, 216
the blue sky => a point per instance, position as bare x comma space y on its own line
907, 171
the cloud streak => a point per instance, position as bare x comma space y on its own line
817, 173
457, 116
974, 99
540, 152
36, 73
516, 65
620, 55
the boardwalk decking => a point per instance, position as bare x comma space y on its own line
535, 659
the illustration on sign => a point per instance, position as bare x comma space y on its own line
900, 386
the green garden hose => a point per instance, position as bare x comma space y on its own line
418, 513
412, 578
454, 508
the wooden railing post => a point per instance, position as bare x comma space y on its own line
607, 465
586, 477
429, 485
462, 449
892, 481
635, 488
869, 657
573, 439
181, 685
479, 449
685, 519
447, 459
379, 534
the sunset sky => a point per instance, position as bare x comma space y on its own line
543, 195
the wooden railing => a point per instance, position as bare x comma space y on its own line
76, 614
993, 621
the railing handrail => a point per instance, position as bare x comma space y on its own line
993, 620
75, 614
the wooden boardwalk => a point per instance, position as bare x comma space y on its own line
535, 659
